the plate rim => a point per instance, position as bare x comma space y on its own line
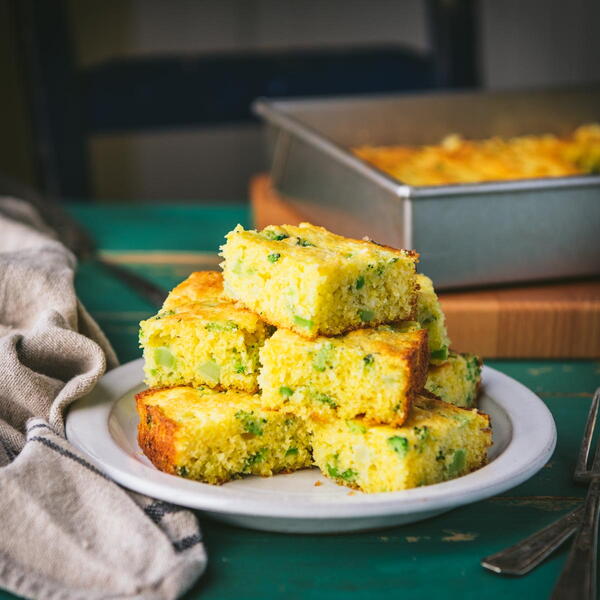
518, 461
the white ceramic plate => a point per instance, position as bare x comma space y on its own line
104, 426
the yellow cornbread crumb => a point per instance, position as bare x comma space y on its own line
314, 282
216, 436
438, 442
200, 337
374, 373
457, 380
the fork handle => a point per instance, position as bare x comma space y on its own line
530, 552
145, 288
578, 578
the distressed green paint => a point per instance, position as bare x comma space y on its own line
161, 227
382, 564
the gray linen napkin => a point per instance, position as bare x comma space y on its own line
66, 531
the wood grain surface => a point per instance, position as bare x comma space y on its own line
554, 320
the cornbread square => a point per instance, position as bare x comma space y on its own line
216, 436
457, 380
430, 316
200, 337
315, 282
438, 442
374, 373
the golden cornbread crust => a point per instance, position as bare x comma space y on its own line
200, 285
419, 366
156, 433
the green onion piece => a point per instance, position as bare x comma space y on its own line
255, 458
356, 427
459, 461
273, 235
399, 445
366, 315
440, 353
226, 326
274, 257
348, 475
303, 322
369, 359
250, 423
323, 357
238, 367
360, 282
324, 399
292, 452
164, 357
211, 370
286, 391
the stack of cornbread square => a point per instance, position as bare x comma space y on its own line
310, 349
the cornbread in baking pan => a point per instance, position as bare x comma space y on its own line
438, 442
458, 160
457, 380
374, 373
314, 282
214, 437
430, 315
200, 337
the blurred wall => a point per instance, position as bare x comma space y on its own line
215, 162
16, 151
540, 42
523, 43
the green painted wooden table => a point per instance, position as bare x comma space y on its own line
437, 558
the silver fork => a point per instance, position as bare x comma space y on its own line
578, 578
530, 552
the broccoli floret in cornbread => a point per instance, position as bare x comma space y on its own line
457, 380
200, 337
315, 282
374, 373
216, 436
439, 441
430, 315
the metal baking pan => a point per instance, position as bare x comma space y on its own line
467, 235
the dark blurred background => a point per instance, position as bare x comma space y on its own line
137, 100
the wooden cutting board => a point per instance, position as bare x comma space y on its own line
558, 320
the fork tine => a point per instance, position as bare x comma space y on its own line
596, 463
581, 469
